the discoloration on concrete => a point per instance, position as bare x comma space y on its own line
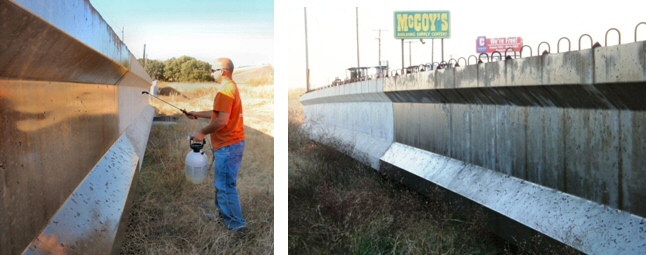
88, 221
69, 91
569, 126
589, 227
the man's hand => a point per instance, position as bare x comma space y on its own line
191, 115
199, 137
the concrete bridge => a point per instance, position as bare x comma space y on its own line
74, 129
552, 144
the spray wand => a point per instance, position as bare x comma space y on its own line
183, 111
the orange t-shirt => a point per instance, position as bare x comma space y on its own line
228, 100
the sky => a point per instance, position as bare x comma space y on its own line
332, 31
203, 29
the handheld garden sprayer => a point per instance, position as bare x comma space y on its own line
196, 161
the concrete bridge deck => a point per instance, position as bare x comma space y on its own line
554, 142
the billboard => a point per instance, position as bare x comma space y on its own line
422, 24
489, 45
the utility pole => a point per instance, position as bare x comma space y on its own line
403, 56
432, 51
442, 40
144, 56
307, 62
123, 38
358, 65
410, 53
379, 44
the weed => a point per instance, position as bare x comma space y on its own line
172, 216
340, 206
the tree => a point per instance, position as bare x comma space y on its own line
155, 69
173, 69
195, 70
182, 69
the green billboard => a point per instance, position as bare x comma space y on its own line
422, 24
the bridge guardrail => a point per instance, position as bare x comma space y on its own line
489, 57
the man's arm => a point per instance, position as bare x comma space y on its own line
202, 114
220, 121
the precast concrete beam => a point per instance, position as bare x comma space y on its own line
90, 221
588, 227
70, 105
363, 148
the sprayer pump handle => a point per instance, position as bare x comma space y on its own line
196, 147
190, 140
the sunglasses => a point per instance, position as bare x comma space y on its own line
216, 70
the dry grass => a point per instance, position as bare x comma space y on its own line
255, 76
339, 206
171, 215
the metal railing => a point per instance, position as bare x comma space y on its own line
454, 63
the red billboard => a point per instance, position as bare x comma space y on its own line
489, 45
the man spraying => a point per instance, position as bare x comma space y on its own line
228, 140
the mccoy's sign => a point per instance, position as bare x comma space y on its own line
422, 24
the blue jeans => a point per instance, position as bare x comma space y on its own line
227, 163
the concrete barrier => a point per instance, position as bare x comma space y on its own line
553, 142
74, 128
